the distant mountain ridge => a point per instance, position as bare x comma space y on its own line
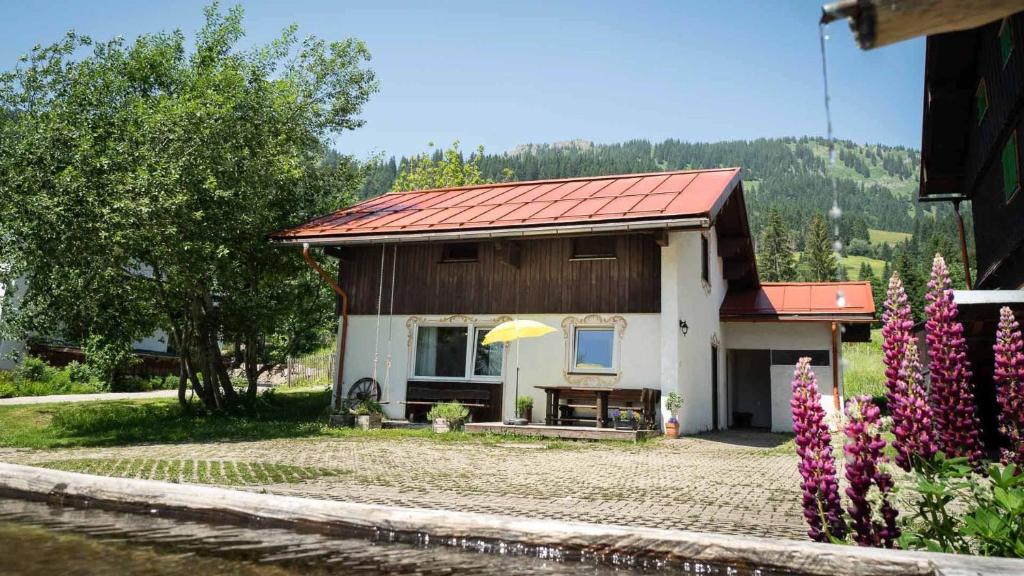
876, 183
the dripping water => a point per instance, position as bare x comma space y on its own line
835, 212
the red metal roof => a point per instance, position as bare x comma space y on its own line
801, 301
574, 201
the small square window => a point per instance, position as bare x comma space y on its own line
594, 350
593, 247
460, 252
1005, 40
981, 100
1011, 171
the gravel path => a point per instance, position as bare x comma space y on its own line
61, 398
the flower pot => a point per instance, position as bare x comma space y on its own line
671, 429
342, 421
528, 414
369, 421
442, 425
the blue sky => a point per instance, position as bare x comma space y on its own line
507, 73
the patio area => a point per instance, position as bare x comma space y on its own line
730, 482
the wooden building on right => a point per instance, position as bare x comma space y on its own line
971, 139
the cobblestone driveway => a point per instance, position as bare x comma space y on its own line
727, 482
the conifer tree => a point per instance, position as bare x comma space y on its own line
775, 262
819, 259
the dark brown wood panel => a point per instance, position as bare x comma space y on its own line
547, 280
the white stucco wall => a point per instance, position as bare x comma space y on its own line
543, 361
686, 360
8, 349
787, 336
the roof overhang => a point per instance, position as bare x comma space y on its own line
841, 318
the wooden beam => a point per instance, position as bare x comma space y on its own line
508, 252
729, 246
735, 269
877, 23
661, 238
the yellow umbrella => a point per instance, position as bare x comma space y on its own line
516, 330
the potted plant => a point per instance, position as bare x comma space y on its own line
369, 414
524, 408
625, 419
448, 416
673, 402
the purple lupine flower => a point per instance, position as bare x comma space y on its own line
896, 324
863, 449
956, 424
911, 413
822, 508
1009, 377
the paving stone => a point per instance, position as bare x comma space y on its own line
726, 482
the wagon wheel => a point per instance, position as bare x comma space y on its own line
365, 389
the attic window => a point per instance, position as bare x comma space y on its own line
981, 100
1005, 40
460, 252
593, 248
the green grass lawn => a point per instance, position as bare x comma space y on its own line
852, 265
288, 413
863, 370
885, 236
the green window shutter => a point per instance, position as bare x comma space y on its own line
1011, 175
981, 100
1006, 40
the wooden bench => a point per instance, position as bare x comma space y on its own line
481, 399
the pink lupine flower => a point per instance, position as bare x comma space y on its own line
956, 424
863, 449
896, 325
822, 508
1009, 377
911, 413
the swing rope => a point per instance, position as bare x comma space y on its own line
391, 324
380, 298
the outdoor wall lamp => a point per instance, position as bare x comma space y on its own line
683, 326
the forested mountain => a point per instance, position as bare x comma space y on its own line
875, 185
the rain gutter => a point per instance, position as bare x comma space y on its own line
456, 235
338, 381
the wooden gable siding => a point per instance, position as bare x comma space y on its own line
999, 224
546, 281
1005, 88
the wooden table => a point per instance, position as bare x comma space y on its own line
554, 395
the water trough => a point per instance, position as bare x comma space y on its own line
484, 532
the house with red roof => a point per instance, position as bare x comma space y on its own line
649, 280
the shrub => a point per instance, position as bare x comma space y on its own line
368, 407
453, 412
523, 405
33, 368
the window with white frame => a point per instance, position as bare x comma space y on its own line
456, 352
593, 350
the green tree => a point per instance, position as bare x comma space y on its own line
139, 181
775, 259
819, 259
441, 169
